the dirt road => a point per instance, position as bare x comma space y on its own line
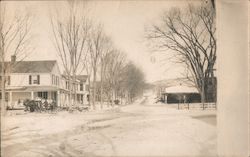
142, 129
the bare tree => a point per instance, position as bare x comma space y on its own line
15, 37
70, 40
133, 81
88, 69
190, 34
107, 48
115, 63
97, 47
122, 80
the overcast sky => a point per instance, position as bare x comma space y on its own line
124, 21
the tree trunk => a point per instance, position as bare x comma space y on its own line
70, 92
101, 93
3, 102
89, 90
109, 99
94, 88
74, 89
128, 98
121, 97
113, 97
203, 95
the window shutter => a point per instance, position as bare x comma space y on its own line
38, 79
30, 79
8, 80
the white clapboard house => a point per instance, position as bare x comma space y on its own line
42, 79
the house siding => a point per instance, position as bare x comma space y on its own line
17, 80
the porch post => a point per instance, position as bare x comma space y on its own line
10, 95
166, 98
32, 95
58, 98
67, 99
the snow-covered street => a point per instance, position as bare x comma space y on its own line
141, 129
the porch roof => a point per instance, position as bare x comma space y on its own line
33, 88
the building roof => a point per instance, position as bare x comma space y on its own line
173, 82
181, 89
32, 66
82, 78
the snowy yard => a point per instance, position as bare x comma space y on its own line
141, 129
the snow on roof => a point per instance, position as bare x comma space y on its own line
181, 89
32, 66
82, 78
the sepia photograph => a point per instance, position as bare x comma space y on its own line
93, 78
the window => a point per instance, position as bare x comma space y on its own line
34, 79
81, 98
6, 96
38, 79
43, 95
57, 80
53, 82
67, 85
30, 79
54, 96
81, 87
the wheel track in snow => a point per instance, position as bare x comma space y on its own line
30, 140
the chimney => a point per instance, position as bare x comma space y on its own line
13, 58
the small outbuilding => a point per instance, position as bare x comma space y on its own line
180, 94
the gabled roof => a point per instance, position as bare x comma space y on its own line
32, 66
82, 78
